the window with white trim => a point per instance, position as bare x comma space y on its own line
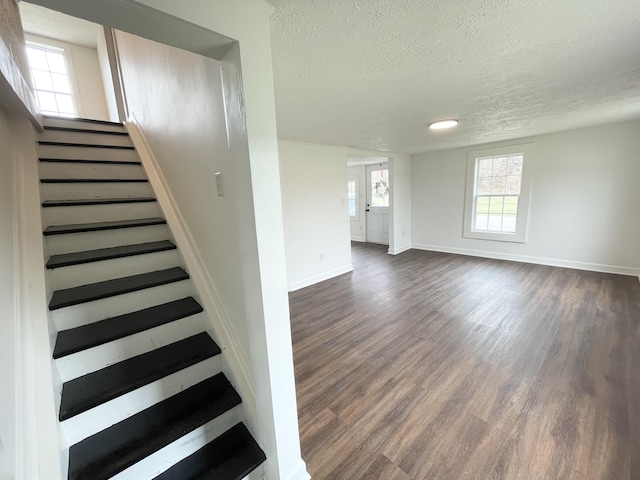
498, 193
352, 197
52, 85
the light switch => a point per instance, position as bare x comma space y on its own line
219, 189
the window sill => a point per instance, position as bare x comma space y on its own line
499, 237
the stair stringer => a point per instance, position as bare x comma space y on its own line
236, 363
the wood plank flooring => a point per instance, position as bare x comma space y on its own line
436, 366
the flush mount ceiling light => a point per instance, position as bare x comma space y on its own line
442, 124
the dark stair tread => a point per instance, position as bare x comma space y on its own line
85, 145
96, 388
80, 119
96, 201
231, 456
87, 336
94, 180
116, 448
78, 258
84, 130
99, 226
118, 286
74, 160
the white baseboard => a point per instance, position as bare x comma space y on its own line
358, 239
397, 250
299, 472
320, 277
235, 354
552, 262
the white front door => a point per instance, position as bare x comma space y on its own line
378, 203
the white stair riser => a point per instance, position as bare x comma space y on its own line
85, 138
87, 153
76, 275
90, 170
77, 191
81, 242
103, 416
97, 358
68, 123
99, 213
85, 313
163, 459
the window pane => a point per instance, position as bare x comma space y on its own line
509, 223
380, 188
351, 196
513, 184
482, 222
484, 186
484, 167
510, 205
499, 166
496, 204
37, 58
482, 205
47, 101
56, 62
514, 165
495, 223
60, 83
65, 103
498, 185
42, 80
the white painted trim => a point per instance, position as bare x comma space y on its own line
397, 250
358, 239
235, 354
552, 262
320, 278
299, 472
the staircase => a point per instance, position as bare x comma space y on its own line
142, 392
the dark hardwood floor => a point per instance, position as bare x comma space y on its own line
437, 366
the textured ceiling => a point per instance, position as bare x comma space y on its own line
374, 73
49, 23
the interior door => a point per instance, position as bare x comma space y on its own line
378, 203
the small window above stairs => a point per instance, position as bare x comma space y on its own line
143, 393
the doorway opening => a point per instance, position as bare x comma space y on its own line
370, 200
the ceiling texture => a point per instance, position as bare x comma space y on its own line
49, 23
373, 74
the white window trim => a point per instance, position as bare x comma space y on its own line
527, 150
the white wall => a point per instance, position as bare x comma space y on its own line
10, 328
314, 207
584, 206
107, 79
183, 119
358, 225
86, 77
401, 206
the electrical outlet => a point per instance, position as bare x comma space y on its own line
322, 257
